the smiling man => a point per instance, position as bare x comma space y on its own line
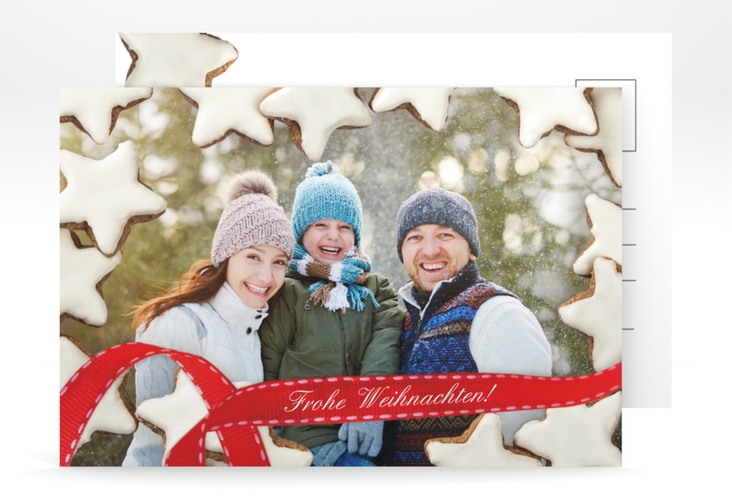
456, 321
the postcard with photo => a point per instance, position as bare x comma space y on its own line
327, 276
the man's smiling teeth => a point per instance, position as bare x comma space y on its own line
432, 267
255, 288
331, 250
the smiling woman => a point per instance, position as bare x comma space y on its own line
256, 273
218, 305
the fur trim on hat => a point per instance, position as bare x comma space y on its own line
250, 182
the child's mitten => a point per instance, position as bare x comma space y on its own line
328, 454
362, 437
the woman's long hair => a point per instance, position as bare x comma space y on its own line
201, 282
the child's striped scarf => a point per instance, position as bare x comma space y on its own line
340, 284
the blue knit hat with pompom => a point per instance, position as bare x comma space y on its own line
326, 194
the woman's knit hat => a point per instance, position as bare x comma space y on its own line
442, 207
251, 217
326, 194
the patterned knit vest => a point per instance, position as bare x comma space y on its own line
445, 329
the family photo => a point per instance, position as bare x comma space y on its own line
304, 234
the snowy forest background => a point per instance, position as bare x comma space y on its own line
529, 203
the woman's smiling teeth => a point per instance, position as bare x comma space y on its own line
257, 289
330, 250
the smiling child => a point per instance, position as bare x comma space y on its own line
333, 316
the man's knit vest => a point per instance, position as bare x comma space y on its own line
439, 343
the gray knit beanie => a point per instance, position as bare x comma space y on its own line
442, 207
252, 217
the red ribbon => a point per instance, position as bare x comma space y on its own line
234, 414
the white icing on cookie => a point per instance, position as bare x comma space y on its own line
479, 446
81, 270
317, 112
177, 413
429, 103
543, 109
607, 234
106, 194
177, 59
608, 105
600, 314
223, 110
211, 462
94, 108
278, 456
576, 435
111, 414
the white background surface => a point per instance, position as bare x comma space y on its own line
46, 45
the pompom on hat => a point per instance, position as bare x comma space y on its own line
326, 194
442, 207
252, 217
